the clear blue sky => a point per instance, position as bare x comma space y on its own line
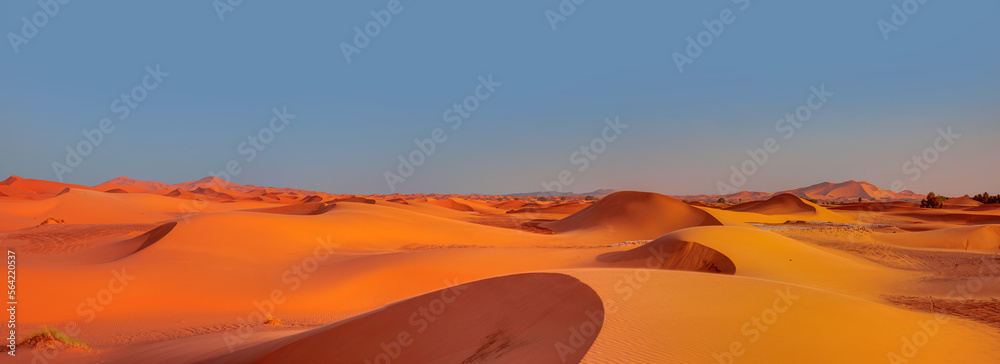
607, 59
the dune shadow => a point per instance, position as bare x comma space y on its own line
529, 318
309, 208
671, 255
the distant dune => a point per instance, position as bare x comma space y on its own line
221, 273
634, 215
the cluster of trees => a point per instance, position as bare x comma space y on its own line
933, 201
986, 198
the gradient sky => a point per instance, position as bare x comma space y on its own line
609, 58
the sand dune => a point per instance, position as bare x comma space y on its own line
34, 188
988, 208
952, 218
985, 237
690, 317
309, 208
562, 208
513, 319
781, 208
960, 202
634, 277
633, 215
766, 255
94, 207
451, 203
512, 204
668, 253
878, 206
782, 204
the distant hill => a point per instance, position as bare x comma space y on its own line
825, 192
597, 193
207, 182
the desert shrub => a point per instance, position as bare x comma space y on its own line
271, 320
986, 198
590, 198
933, 201
51, 339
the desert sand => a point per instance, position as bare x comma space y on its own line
210, 271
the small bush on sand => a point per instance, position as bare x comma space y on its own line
272, 321
52, 339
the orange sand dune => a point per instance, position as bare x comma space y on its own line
778, 205
950, 217
213, 193
464, 205
451, 203
877, 206
779, 209
309, 208
93, 207
34, 188
633, 215
988, 208
766, 255
355, 199
186, 277
960, 202
696, 203
663, 316
512, 204
984, 237
479, 207
674, 255
513, 319
133, 184
109, 187
563, 208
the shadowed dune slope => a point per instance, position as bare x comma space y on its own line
39, 187
451, 204
778, 205
511, 319
894, 206
961, 202
309, 208
985, 237
666, 253
635, 215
